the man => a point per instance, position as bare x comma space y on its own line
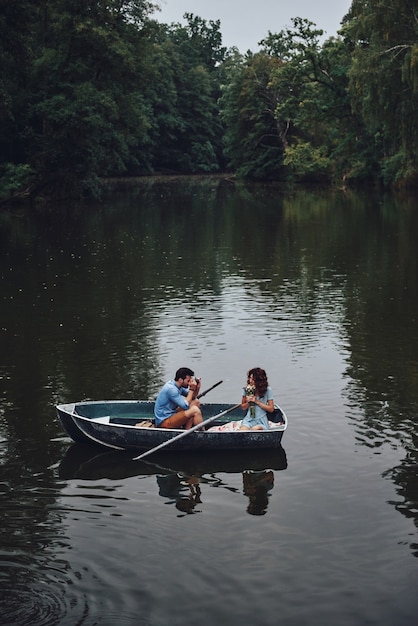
176, 404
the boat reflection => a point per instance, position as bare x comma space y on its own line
92, 463
180, 476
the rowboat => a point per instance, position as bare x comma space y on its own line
130, 425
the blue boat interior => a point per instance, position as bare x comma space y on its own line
132, 413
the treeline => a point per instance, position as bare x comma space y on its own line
97, 88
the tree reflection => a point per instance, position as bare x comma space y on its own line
406, 480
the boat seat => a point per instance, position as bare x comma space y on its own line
102, 420
276, 416
131, 421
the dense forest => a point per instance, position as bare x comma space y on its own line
91, 89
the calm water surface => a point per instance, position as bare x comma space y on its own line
318, 288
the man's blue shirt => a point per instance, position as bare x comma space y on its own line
169, 398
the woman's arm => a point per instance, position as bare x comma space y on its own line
268, 408
245, 402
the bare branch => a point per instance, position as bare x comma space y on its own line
398, 49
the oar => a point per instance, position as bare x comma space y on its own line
210, 389
185, 433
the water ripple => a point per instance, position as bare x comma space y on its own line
40, 592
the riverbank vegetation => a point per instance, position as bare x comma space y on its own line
98, 88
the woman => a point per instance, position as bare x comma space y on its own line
257, 400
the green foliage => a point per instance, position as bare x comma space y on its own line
306, 162
199, 42
391, 167
14, 178
83, 106
189, 121
325, 135
82, 136
397, 170
255, 136
184, 132
15, 67
384, 79
96, 88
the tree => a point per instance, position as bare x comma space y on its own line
15, 65
323, 137
200, 42
255, 137
85, 105
384, 80
189, 122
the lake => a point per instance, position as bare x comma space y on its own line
106, 301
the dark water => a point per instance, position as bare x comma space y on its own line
318, 288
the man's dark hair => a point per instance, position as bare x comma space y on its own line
183, 372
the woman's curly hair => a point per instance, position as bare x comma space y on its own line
260, 380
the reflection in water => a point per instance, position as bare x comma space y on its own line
179, 476
405, 477
184, 491
93, 462
257, 486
